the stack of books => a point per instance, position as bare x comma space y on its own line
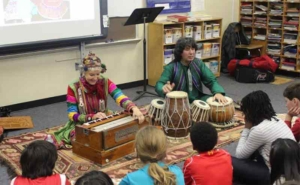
274, 48
274, 37
290, 51
246, 20
260, 37
276, 8
275, 23
291, 24
260, 10
290, 37
260, 22
246, 8
289, 64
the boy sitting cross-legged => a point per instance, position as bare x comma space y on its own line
211, 166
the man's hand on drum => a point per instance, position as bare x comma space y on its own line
168, 87
220, 98
137, 114
99, 115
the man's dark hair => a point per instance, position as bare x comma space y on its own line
204, 136
292, 91
38, 159
181, 44
257, 107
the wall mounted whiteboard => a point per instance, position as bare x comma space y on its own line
123, 8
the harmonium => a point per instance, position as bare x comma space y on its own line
108, 139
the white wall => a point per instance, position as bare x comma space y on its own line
39, 76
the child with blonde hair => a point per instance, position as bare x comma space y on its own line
151, 146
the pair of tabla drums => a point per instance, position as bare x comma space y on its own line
175, 114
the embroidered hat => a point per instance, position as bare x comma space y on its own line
92, 62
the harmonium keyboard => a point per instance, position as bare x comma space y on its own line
108, 139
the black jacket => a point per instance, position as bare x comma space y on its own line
230, 40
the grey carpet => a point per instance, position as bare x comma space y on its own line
56, 114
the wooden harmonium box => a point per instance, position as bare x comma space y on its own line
108, 139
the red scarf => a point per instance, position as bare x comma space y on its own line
98, 87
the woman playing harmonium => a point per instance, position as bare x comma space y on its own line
87, 100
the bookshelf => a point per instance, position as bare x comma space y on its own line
160, 45
275, 25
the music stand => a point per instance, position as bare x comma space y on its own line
139, 16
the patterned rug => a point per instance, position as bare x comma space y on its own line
74, 166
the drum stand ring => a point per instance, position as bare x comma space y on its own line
222, 125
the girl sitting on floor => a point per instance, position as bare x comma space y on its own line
285, 162
262, 127
37, 164
151, 146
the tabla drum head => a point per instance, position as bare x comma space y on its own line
201, 104
216, 103
177, 94
158, 103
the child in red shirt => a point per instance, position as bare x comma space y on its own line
292, 98
94, 178
37, 163
211, 166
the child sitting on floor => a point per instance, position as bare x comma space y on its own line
285, 162
94, 178
37, 163
211, 166
292, 98
251, 164
151, 146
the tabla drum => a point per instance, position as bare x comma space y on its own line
221, 113
177, 120
155, 111
200, 111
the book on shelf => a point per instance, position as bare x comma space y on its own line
196, 16
290, 51
177, 18
168, 56
246, 8
206, 49
168, 36
274, 49
275, 58
290, 38
177, 34
199, 51
215, 48
208, 31
246, 20
261, 7
276, 8
274, 37
215, 30
197, 33
188, 31
288, 64
260, 37
214, 66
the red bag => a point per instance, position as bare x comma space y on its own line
262, 62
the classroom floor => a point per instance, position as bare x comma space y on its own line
56, 114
